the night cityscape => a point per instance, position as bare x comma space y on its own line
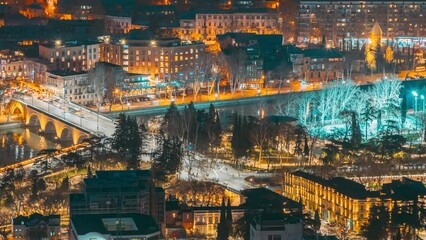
212, 119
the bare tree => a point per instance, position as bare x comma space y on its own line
261, 135
204, 72
105, 79
236, 69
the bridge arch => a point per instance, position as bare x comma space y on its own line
33, 121
17, 111
81, 138
50, 127
66, 134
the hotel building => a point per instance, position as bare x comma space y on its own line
163, 60
346, 202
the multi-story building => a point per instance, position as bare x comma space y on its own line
209, 23
317, 65
72, 86
344, 201
337, 19
74, 56
204, 220
111, 52
36, 226
119, 192
31, 70
118, 24
163, 60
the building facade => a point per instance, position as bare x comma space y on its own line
73, 56
208, 24
337, 200
72, 86
337, 19
317, 65
118, 24
162, 60
36, 226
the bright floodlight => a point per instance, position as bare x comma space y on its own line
422, 97
414, 93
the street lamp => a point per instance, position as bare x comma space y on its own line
415, 100
128, 105
216, 96
258, 92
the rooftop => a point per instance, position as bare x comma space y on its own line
35, 218
344, 186
263, 197
65, 73
130, 224
234, 11
60, 44
405, 189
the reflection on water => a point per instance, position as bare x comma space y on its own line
262, 108
23, 143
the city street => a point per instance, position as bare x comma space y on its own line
219, 172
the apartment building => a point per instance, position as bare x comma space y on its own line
209, 23
73, 86
72, 55
337, 19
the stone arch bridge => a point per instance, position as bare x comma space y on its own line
47, 123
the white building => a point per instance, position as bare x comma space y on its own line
72, 86
271, 226
71, 56
210, 23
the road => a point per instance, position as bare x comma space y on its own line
247, 93
72, 114
218, 172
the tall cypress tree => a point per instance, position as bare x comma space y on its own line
120, 135
229, 217
172, 121
222, 228
236, 138
214, 128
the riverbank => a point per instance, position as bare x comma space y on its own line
10, 125
265, 96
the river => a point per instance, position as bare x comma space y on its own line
18, 144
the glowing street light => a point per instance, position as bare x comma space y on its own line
216, 96
415, 100
258, 92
